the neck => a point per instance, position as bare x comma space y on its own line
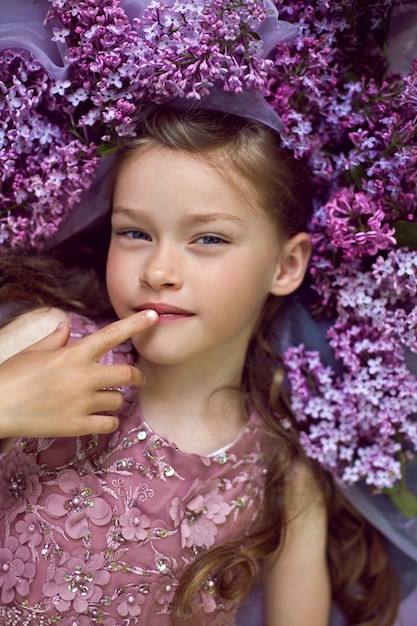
200, 409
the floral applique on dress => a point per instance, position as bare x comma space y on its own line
98, 529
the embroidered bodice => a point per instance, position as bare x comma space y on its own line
97, 529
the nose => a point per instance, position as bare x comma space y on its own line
161, 269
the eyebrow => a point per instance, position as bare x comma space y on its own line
204, 218
189, 220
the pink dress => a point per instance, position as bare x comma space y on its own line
97, 529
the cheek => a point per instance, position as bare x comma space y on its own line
247, 281
116, 275
235, 298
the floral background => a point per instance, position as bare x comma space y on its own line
345, 110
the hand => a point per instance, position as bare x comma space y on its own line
56, 390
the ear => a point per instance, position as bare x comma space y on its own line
292, 265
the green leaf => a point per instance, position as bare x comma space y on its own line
405, 501
106, 150
356, 174
406, 234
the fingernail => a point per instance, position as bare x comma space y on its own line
151, 315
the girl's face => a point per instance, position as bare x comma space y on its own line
189, 245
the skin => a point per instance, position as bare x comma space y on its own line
297, 587
188, 244
205, 257
49, 378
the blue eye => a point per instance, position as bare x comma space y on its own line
210, 240
137, 234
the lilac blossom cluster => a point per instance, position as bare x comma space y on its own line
360, 423
53, 131
44, 168
180, 48
354, 123
190, 47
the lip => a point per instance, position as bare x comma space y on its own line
166, 312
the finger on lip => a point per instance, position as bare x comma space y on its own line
151, 315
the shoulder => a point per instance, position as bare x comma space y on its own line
29, 328
305, 528
303, 490
293, 595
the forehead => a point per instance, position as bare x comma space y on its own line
203, 177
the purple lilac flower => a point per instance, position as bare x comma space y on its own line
347, 421
352, 423
191, 47
355, 125
354, 224
44, 167
178, 48
397, 273
54, 131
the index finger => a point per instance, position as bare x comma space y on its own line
115, 333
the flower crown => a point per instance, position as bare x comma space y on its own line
319, 75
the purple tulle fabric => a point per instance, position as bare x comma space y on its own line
402, 43
21, 26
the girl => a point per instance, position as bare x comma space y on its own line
168, 518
